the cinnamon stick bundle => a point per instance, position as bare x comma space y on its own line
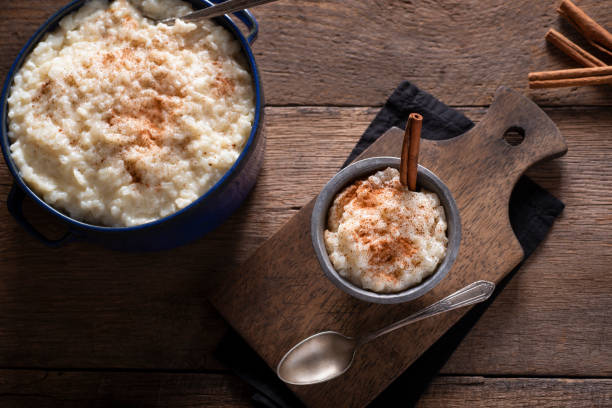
573, 50
597, 72
595, 34
571, 77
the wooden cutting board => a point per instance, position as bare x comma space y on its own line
280, 295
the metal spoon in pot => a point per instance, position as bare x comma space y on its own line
226, 7
328, 354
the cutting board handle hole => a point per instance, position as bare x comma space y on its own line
514, 136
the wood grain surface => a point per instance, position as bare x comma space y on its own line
452, 392
550, 320
279, 296
85, 307
84, 389
463, 50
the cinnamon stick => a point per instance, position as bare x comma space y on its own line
571, 77
410, 151
573, 50
595, 34
571, 73
568, 82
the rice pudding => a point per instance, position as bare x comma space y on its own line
382, 236
118, 121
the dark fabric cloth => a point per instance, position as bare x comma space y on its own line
532, 212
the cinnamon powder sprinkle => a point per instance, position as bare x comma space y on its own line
223, 86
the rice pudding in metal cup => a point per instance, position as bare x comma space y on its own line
379, 242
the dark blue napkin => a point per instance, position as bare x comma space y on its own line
532, 212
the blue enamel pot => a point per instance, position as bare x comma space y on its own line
186, 225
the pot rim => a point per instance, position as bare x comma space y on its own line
359, 170
49, 25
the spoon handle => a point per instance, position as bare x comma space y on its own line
473, 293
219, 9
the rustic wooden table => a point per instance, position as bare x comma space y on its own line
83, 326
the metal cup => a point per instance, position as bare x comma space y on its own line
360, 170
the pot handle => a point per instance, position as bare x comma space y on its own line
14, 203
248, 19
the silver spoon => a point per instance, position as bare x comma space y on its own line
328, 354
226, 7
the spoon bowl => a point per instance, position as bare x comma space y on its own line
318, 358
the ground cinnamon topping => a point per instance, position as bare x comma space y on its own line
109, 58
44, 90
223, 86
129, 22
367, 195
130, 167
147, 120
